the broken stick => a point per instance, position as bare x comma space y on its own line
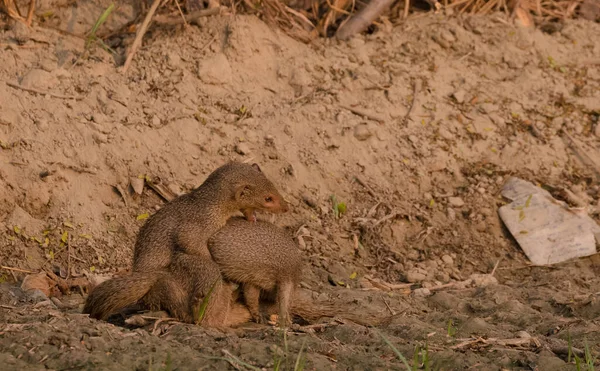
363, 19
140, 35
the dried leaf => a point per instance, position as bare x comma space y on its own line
353, 275
64, 237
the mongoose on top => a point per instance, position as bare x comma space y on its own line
172, 268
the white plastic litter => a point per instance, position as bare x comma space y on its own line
547, 230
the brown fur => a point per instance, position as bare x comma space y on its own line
172, 267
259, 256
267, 263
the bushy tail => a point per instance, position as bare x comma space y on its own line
117, 293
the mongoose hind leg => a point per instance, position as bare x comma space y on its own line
285, 291
168, 294
217, 308
201, 278
252, 300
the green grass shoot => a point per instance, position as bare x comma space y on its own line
91, 37
202, 308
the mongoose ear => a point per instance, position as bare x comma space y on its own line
255, 165
241, 191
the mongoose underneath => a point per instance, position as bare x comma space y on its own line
267, 263
258, 256
171, 264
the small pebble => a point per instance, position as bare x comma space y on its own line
451, 213
447, 259
413, 276
362, 132
37, 295
422, 293
459, 96
242, 148
309, 200
456, 201
100, 138
42, 124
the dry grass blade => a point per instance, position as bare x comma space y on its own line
36, 91
30, 13
140, 35
175, 20
12, 11
235, 361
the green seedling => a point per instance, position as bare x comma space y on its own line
451, 328
589, 360
91, 37
204, 304
301, 359
397, 352
339, 208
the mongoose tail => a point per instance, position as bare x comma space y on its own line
117, 293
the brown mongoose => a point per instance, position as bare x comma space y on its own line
267, 263
171, 264
258, 256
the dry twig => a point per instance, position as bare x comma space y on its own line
36, 91
416, 88
363, 19
184, 19
140, 35
17, 270
363, 113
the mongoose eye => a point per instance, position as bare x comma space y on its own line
269, 199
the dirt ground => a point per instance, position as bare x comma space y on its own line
415, 128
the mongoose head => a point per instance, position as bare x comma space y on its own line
256, 192
251, 189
